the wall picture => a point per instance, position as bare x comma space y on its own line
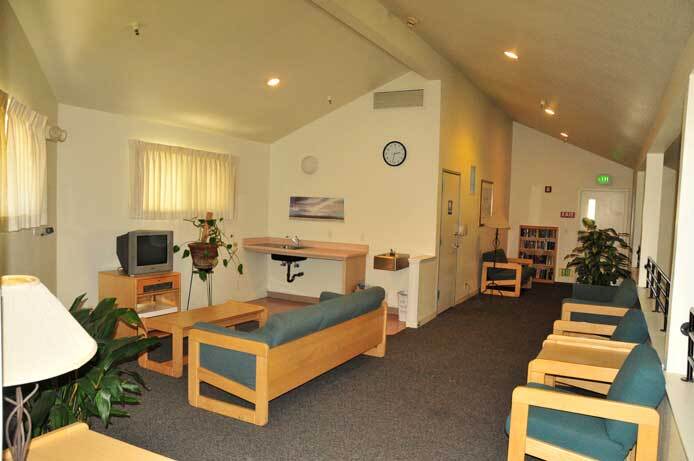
317, 208
486, 201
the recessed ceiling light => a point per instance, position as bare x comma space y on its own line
563, 135
511, 54
273, 81
549, 111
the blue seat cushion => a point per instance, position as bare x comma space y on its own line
632, 328
640, 381
580, 433
235, 365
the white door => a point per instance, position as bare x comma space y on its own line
607, 207
448, 239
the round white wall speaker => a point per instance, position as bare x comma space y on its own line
309, 164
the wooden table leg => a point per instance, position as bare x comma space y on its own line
262, 317
177, 352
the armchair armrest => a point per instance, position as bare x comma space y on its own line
590, 342
646, 418
257, 348
568, 308
562, 327
514, 266
521, 261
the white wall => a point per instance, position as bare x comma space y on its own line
666, 230
385, 207
474, 131
653, 189
21, 76
539, 160
93, 178
637, 217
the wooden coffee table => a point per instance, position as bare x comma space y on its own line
178, 324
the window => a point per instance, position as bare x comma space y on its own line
591, 209
170, 182
23, 189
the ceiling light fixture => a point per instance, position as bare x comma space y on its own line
273, 82
511, 55
548, 109
563, 135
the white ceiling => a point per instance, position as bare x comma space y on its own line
604, 64
204, 63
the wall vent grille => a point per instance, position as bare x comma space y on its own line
394, 99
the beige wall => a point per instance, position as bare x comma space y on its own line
474, 131
540, 160
385, 207
93, 178
21, 76
666, 231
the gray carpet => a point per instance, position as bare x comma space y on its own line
442, 392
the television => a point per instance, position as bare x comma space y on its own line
145, 251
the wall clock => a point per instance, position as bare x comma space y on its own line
394, 153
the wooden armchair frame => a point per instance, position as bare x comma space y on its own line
647, 420
592, 366
569, 308
513, 263
282, 368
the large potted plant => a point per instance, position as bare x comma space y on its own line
599, 259
100, 388
204, 251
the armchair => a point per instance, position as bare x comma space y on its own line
500, 273
555, 424
632, 328
600, 304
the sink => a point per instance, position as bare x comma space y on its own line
283, 246
287, 258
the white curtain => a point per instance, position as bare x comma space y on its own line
170, 182
25, 200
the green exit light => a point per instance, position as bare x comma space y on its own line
603, 179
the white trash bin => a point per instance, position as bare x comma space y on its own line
402, 305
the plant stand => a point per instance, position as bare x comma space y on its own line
208, 283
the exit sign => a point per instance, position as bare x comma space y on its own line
603, 179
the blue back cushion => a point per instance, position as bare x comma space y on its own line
326, 295
291, 325
498, 255
339, 309
640, 381
632, 328
626, 294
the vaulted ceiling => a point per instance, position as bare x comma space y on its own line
204, 63
602, 64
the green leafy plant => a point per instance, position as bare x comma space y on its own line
206, 249
99, 388
598, 259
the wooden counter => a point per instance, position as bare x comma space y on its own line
352, 255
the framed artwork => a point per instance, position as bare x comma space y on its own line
317, 208
486, 201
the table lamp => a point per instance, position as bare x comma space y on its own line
40, 340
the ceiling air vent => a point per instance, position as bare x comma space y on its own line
392, 99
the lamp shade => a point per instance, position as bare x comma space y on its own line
40, 338
497, 222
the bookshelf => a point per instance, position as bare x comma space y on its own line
539, 243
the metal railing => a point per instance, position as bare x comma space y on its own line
658, 285
688, 330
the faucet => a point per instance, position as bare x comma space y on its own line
295, 241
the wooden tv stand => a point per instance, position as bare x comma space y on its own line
150, 294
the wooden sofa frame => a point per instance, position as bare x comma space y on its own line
491, 286
284, 367
647, 420
569, 308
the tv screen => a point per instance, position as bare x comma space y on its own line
152, 249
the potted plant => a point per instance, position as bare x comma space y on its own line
598, 260
205, 250
99, 388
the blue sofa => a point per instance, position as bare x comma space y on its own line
600, 304
290, 349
